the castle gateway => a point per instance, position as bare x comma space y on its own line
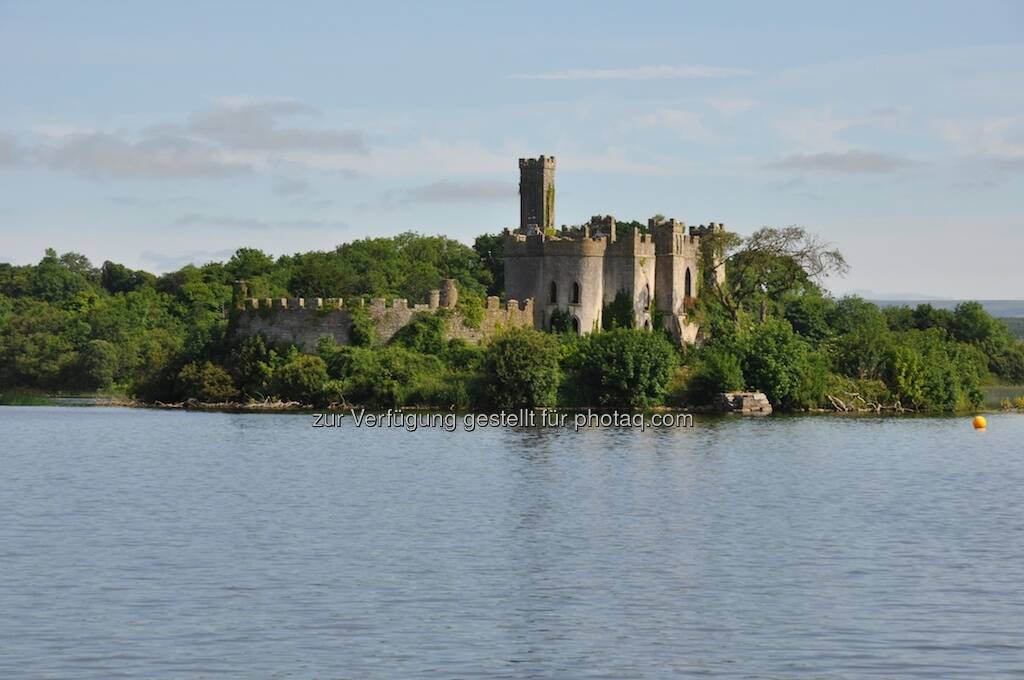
576, 272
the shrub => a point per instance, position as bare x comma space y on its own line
302, 378
251, 364
716, 370
780, 364
560, 321
624, 366
472, 309
391, 376
205, 382
425, 333
97, 365
520, 369
619, 312
362, 332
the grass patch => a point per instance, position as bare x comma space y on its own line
20, 397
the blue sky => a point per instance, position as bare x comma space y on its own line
156, 134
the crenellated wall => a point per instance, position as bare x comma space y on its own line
303, 321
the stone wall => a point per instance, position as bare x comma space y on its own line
303, 321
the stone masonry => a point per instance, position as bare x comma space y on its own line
578, 271
303, 321
581, 270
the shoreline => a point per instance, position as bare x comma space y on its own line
266, 407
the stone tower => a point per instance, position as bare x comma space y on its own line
537, 193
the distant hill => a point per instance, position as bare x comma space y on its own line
1013, 309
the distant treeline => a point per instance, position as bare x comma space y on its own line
67, 326
1004, 309
1016, 327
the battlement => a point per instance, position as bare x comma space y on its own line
494, 305
575, 241
703, 230
539, 162
635, 244
325, 304
303, 321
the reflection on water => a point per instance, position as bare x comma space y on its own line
160, 544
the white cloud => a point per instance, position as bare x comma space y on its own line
1001, 137
257, 223
732, 107
10, 152
231, 137
846, 163
663, 72
456, 192
291, 187
254, 125
158, 156
683, 123
819, 130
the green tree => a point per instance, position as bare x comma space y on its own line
520, 369
717, 369
205, 382
619, 312
624, 367
302, 378
425, 333
782, 365
490, 248
97, 365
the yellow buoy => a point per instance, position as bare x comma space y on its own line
980, 423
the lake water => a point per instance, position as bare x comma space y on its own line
165, 544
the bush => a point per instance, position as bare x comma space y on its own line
619, 312
472, 309
520, 369
97, 364
251, 364
362, 332
393, 376
302, 378
716, 370
624, 366
205, 382
779, 363
560, 321
928, 371
425, 333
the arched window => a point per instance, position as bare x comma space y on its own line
687, 284
553, 295
576, 325
646, 300
575, 293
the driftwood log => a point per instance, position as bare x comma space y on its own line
855, 403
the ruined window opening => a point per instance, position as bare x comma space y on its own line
576, 325
687, 285
553, 295
575, 293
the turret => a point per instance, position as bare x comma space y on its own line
537, 193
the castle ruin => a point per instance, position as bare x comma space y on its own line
573, 271
579, 271
303, 321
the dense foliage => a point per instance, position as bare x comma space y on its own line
68, 326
